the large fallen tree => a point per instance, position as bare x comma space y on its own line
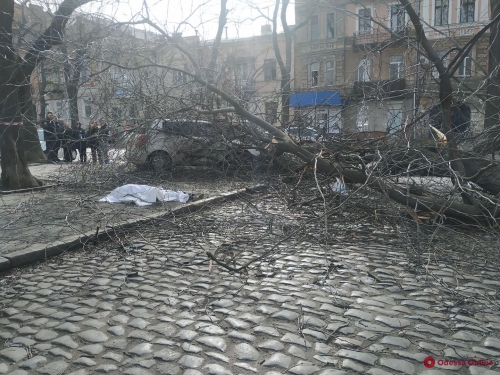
466, 204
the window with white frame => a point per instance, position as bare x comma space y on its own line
394, 117
467, 8
59, 108
84, 71
269, 70
465, 68
87, 109
314, 74
444, 60
441, 12
330, 25
314, 27
397, 17
364, 70
242, 71
395, 67
364, 20
179, 77
271, 109
362, 119
329, 73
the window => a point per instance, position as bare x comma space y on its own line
84, 71
330, 73
54, 76
396, 67
314, 74
330, 25
59, 108
116, 113
394, 118
87, 108
364, 70
364, 21
314, 28
179, 77
119, 77
397, 17
271, 112
362, 119
467, 11
444, 60
441, 13
132, 112
465, 68
242, 71
269, 70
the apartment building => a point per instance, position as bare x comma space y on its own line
246, 68
358, 67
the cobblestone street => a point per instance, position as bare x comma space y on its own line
154, 305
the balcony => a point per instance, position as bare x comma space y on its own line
391, 88
54, 87
371, 38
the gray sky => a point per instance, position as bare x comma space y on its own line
190, 15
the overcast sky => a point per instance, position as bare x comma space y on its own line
190, 15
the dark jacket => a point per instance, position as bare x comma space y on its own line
81, 142
104, 134
69, 135
91, 137
50, 130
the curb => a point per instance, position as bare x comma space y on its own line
43, 252
28, 190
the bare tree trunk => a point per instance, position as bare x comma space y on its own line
15, 172
32, 147
492, 110
72, 80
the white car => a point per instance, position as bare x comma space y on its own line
167, 142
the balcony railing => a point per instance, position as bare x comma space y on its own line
379, 36
393, 87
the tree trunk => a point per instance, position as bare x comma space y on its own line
32, 147
492, 110
15, 171
72, 80
446, 97
14, 78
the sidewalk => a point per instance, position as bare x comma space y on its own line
40, 218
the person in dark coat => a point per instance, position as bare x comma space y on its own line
69, 139
81, 144
50, 134
92, 140
60, 134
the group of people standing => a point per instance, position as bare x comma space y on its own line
56, 136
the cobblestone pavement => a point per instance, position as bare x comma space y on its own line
153, 306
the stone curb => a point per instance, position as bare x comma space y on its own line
40, 251
29, 190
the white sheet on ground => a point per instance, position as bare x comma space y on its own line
144, 195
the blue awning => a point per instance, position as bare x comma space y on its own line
309, 99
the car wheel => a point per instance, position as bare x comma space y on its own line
160, 161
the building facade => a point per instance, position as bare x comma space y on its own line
359, 68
